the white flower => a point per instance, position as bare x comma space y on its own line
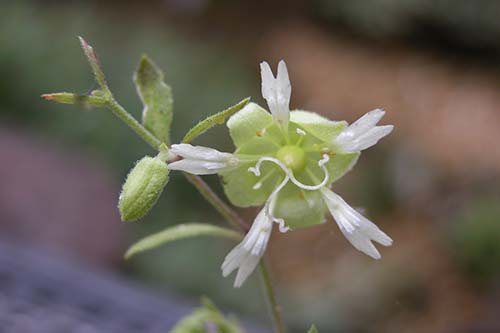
246, 255
276, 91
363, 133
200, 160
356, 228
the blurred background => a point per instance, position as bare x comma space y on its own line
433, 185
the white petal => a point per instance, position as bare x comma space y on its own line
361, 125
198, 167
367, 139
246, 268
267, 78
276, 91
199, 152
246, 255
283, 89
363, 133
358, 230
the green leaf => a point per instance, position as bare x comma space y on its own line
94, 64
156, 97
207, 319
177, 232
218, 118
94, 99
248, 123
313, 329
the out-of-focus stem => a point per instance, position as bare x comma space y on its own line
279, 326
227, 212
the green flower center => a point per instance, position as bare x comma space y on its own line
293, 157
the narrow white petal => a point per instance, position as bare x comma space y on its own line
246, 255
363, 133
369, 138
198, 167
267, 78
199, 152
363, 124
276, 91
246, 269
284, 91
358, 230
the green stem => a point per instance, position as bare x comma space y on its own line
140, 130
279, 325
227, 212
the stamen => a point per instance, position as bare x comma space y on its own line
300, 132
262, 132
257, 186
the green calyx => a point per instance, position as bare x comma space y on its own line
300, 147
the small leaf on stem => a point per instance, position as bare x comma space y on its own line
70, 98
216, 119
94, 63
156, 97
177, 232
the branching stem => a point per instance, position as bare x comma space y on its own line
225, 210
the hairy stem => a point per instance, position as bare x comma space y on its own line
127, 118
226, 211
279, 325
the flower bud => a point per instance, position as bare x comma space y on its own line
143, 187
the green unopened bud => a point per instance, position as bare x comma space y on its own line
143, 187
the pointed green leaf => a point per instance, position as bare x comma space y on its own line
216, 119
313, 329
94, 99
156, 96
177, 232
94, 64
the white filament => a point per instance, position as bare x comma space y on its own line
289, 174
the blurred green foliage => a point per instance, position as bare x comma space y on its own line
40, 53
476, 239
206, 319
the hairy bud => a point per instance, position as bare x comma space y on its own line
143, 187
